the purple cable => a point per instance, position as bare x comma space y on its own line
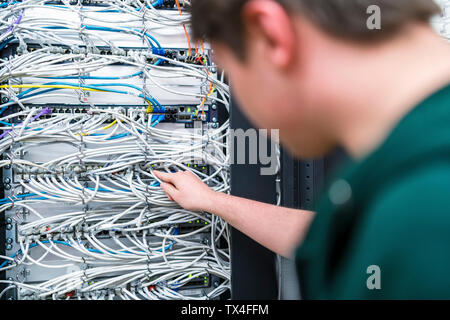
43, 112
15, 23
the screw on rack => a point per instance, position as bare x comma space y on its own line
25, 272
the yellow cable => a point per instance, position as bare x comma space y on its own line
212, 90
110, 125
32, 86
150, 107
209, 94
44, 86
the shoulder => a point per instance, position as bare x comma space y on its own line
419, 198
404, 233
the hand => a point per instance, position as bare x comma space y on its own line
186, 189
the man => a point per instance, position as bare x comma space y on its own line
314, 70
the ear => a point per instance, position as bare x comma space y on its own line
267, 21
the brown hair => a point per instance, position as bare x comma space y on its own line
220, 20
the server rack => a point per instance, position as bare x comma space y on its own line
253, 273
258, 273
212, 112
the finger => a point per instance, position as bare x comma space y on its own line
164, 176
170, 190
190, 173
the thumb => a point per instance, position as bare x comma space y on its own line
170, 190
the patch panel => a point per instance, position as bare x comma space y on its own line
181, 113
175, 54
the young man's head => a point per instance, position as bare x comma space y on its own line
294, 63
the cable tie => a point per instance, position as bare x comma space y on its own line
12, 203
205, 294
147, 202
11, 158
82, 201
144, 30
10, 133
208, 141
84, 276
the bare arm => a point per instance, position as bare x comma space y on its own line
276, 228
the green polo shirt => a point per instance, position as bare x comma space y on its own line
382, 230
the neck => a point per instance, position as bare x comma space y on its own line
396, 77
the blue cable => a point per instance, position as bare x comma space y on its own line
157, 3
154, 44
95, 86
6, 123
5, 42
176, 232
97, 28
154, 124
7, 4
21, 196
3, 110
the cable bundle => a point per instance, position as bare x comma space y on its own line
91, 219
